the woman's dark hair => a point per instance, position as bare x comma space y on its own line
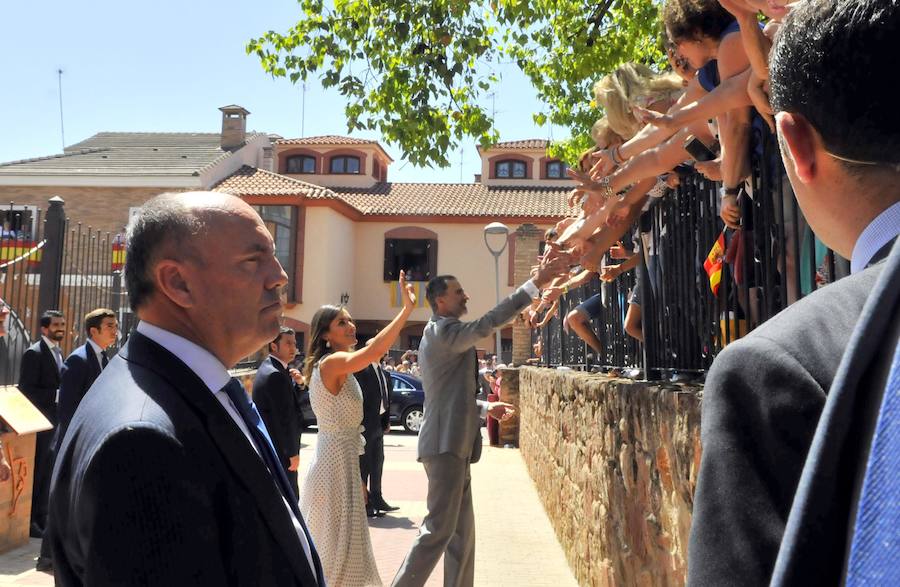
689, 20
320, 322
831, 63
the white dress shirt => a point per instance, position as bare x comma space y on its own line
878, 233
215, 376
55, 351
97, 351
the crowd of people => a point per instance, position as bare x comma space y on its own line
168, 473
708, 114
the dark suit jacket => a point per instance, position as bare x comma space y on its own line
275, 395
154, 484
39, 378
373, 422
761, 402
819, 529
79, 372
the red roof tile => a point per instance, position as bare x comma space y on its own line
326, 140
411, 199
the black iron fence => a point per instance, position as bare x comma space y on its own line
48, 261
686, 252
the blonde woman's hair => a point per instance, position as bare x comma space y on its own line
619, 91
603, 135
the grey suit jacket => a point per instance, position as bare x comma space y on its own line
448, 363
762, 400
819, 530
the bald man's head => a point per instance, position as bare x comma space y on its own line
171, 225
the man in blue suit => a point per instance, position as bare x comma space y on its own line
789, 410
85, 363
166, 474
276, 393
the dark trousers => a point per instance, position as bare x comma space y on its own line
293, 478
43, 470
371, 465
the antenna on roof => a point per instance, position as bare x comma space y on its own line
303, 112
460, 163
62, 127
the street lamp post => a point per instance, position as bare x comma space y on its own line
501, 230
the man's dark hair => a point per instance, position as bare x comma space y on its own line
94, 318
688, 20
436, 288
832, 63
284, 330
163, 222
48, 317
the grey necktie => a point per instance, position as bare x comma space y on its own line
57, 354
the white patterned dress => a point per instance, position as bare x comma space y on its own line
331, 498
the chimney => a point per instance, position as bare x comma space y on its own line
268, 162
477, 178
234, 127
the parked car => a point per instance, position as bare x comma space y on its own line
407, 403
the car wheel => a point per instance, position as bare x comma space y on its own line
412, 419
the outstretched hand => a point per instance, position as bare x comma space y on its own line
657, 119
408, 293
501, 410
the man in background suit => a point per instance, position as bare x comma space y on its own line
376, 390
765, 393
39, 377
79, 371
167, 475
11, 343
276, 394
85, 363
450, 437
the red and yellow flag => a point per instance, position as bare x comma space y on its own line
713, 263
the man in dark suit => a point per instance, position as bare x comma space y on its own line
79, 371
85, 363
39, 377
765, 394
375, 385
166, 474
276, 394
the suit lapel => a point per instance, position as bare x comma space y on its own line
50, 361
91, 357
246, 465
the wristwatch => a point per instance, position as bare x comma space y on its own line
731, 191
605, 189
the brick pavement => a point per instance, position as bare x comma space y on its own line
515, 542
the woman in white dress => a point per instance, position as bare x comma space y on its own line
333, 498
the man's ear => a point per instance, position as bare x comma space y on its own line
172, 282
799, 141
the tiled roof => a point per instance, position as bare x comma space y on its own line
523, 144
411, 199
129, 153
327, 140
250, 181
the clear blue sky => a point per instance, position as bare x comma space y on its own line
167, 66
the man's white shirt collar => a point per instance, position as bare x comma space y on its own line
97, 351
48, 342
283, 364
203, 363
878, 233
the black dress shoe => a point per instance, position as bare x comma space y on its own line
373, 513
383, 506
44, 564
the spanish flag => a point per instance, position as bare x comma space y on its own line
713, 263
118, 256
397, 296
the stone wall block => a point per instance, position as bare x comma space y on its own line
615, 463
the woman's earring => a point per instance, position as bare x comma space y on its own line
327, 344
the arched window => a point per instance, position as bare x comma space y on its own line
555, 170
344, 164
301, 164
510, 169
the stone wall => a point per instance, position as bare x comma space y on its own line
615, 463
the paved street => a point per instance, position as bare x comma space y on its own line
516, 544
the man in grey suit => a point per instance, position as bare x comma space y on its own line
785, 423
450, 438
